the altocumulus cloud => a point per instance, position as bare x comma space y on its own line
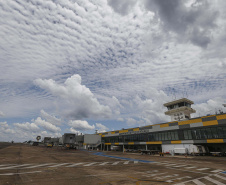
77, 100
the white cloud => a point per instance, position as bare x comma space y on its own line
52, 119
72, 130
212, 106
101, 128
80, 125
47, 126
79, 100
131, 121
2, 114
29, 127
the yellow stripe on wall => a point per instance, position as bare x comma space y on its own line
116, 143
153, 142
103, 136
208, 116
190, 121
176, 142
208, 123
112, 132
215, 141
130, 143
123, 131
107, 143
136, 129
221, 117
164, 125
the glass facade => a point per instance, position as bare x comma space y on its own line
205, 133
185, 134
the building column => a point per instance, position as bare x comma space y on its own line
146, 147
123, 149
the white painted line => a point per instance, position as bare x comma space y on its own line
190, 167
127, 162
216, 171
135, 162
20, 173
213, 181
116, 163
10, 167
220, 177
103, 163
171, 164
58, 165
90, 164
6, 164
198, 182
179, 166
76, 164
40, 165
201, 169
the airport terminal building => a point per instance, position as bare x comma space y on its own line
202, 134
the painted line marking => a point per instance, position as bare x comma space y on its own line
135, 162
171, 164
220, 177
5, 165
76, 164
10, 167
40, 165
216, 171
179, 166
103, 163
58, 165
90, 164
127, 162
224, 172
198, 182
213, 181
190, 167
20, 173
116, 163
201, 169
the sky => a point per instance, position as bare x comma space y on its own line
77, 66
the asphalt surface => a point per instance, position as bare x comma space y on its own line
34, 165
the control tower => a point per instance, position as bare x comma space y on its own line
179, 109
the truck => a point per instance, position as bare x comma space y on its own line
69, 141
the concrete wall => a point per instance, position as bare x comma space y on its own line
92, 139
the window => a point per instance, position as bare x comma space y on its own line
214, 132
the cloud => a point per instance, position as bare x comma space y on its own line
196, 21
51, 119
212, 106
80, 125
101, 128
131, 122
72, 130
121, 6
47, 126
2, 114
28, 127
78, 99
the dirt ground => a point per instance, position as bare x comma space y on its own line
34, 165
